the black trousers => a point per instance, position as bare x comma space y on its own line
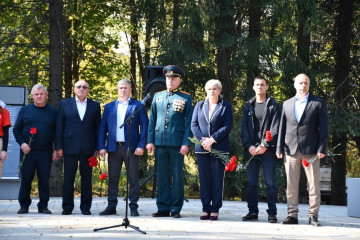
71, 163
39, 161
115, 161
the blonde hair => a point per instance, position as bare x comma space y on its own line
214, 82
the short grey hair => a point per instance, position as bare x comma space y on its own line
214, 82
122, 81
38, 87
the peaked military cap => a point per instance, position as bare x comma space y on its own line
173, 71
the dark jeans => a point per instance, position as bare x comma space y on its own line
39, 161
115, 162
71, 163
211, 174
268, 162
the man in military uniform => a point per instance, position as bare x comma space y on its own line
169, 129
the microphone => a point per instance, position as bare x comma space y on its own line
146, 98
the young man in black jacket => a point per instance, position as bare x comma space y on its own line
262, 113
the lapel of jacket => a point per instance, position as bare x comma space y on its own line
292, 108
129, 109
216, 110
74, 108
206, 110
87, 110
307, 108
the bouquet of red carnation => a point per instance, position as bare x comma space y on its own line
33, 132
267, 138
230, 164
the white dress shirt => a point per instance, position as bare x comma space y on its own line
121, 111
81, 107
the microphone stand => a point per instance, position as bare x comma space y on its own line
126, 222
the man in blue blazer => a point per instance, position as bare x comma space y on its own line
303, 134
77, 130
117, 142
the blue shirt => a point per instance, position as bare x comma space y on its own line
300, 106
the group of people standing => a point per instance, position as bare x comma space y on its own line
76, 132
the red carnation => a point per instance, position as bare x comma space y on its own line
33, 131
268, 136
305, 162
103, 176
231, 166
93, 162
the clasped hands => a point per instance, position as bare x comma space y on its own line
206, 143
257, 150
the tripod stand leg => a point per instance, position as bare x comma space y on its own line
137, 229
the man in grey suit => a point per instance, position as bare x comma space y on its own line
303, 134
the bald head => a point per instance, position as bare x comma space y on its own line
302, 84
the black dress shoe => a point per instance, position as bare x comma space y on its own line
272, 218
290, 220
86, 212
134, 213
44, 210
108, 211
160, 214
250, 217
314, 221
23, 211
66, 212
175, 215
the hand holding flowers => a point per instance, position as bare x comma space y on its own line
306, 162
230, 164
33, 132
261, 148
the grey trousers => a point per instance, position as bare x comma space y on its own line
115, 161
293, 165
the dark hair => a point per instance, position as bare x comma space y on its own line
261, 78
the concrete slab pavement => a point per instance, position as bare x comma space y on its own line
334, 220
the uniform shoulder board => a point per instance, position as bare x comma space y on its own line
185, 92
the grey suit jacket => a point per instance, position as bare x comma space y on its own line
310, 135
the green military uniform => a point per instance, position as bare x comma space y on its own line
169, 129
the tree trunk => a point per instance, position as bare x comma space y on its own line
342, 45
303, 50
303, 35
223, 71
252, 68
55, 81
133, 19
68, 60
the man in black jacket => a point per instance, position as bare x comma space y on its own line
303, 134
260, 114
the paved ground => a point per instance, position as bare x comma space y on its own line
336, 224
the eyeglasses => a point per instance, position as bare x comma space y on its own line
81, 86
